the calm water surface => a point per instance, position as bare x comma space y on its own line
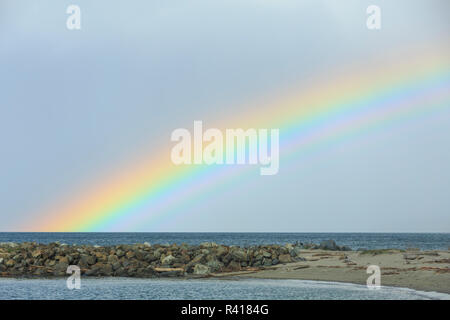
131, 288
424, 241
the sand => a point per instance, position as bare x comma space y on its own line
420, 270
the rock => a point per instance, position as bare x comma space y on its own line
1, 260
198, 259
215, 265
239, 255
201, 269
285, 258
289, 246
275, 261
64, 260
346, 248
112, 259
36, 253
60, 269
116, 265
267, 262
107, 270
130, 254
10, 263
410, 256
150, 257
295, 252
234, 266
88, 260
328, 245
221, 251
209, 244
120, 253
120, 272
184, 259
168, 260
227, 258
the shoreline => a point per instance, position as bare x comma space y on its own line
427, 271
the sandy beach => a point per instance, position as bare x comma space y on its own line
420, 270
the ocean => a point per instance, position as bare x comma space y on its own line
231, 289
423, 241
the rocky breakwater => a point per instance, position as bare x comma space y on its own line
145, 260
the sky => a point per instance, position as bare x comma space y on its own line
76, 105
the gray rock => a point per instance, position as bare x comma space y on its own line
170, 259
112, 259
215, 265
60, 269
88, 260
201, 269
239, 254
234, 266
199, 258
120, 253
10, 263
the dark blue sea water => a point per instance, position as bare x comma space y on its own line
424, 241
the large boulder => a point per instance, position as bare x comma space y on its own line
215, 265
234, 266
201, 269
10, 263
295, 252
170, 259
87, 259
221, 251
112, 259
239, 254
60, 268
36, 253
199, 258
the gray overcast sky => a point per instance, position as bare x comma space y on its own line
75, 104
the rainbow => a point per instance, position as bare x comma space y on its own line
330, 109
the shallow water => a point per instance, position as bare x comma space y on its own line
424, 241
131, 288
